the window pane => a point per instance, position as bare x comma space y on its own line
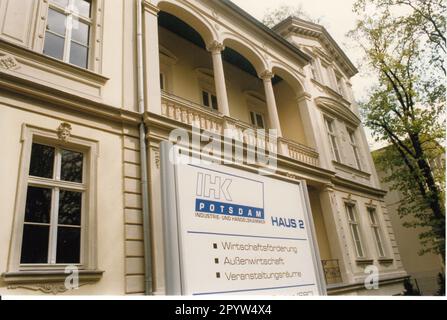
350, 213
260, 121
205, 99
54, 46
38, 205
252, 117
56, 22
42, 161
71, 166
70, 204
78, 55
335, 147
68, 245
358, 243
372, 216
80, 32
379, 242
83, 7
61, 3
162, 81
35, 244
214, 102
329, 125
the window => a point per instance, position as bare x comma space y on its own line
55, 197
68, 31
332, 138
162, 81
355, 230
257, 119
314, 70
355, 148
339, 81
209, 100
326, 75
375, 226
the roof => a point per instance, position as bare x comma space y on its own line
272, 34
294, 24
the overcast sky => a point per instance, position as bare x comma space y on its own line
337, 17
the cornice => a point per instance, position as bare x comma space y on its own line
342, 182
64, 100
338, 109
310, 29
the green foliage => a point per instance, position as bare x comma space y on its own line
403, 44
274, 16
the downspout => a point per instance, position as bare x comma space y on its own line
143, 154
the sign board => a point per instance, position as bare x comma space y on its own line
229, 231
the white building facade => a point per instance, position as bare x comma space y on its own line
89, 90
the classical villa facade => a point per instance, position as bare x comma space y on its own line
78, 105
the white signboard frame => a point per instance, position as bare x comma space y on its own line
190, 257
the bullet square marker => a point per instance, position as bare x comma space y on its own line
215, 245
216, 260
217, 274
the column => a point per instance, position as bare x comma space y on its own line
266, 77
151, 53
216, 49
337, 235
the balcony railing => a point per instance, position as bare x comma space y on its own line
187, 112
332, 272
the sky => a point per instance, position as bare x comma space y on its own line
338, 18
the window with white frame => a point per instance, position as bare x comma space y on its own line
375, 226
162, 81
339, 82
54, 207
209, 99
257, 119
330, 128
314, 70
68, 31
355, 229
355, 148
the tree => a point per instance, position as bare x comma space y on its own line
274, 16
403, 43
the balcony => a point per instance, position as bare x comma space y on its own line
187, 112
332, 272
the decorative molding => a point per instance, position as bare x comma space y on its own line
215, 47
338, 109
266, 75
64, 131
156, 158
49, 288
8, 62
149, 7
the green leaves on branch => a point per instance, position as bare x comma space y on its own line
404, 47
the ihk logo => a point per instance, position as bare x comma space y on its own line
208, 185
213, 196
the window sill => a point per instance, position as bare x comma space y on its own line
47, 281
386, 260
349, 169
364, 261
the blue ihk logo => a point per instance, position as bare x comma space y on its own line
215, 196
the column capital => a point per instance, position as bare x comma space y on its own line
266, 75
215, 47
151, 8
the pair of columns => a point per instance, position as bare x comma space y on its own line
216, 49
